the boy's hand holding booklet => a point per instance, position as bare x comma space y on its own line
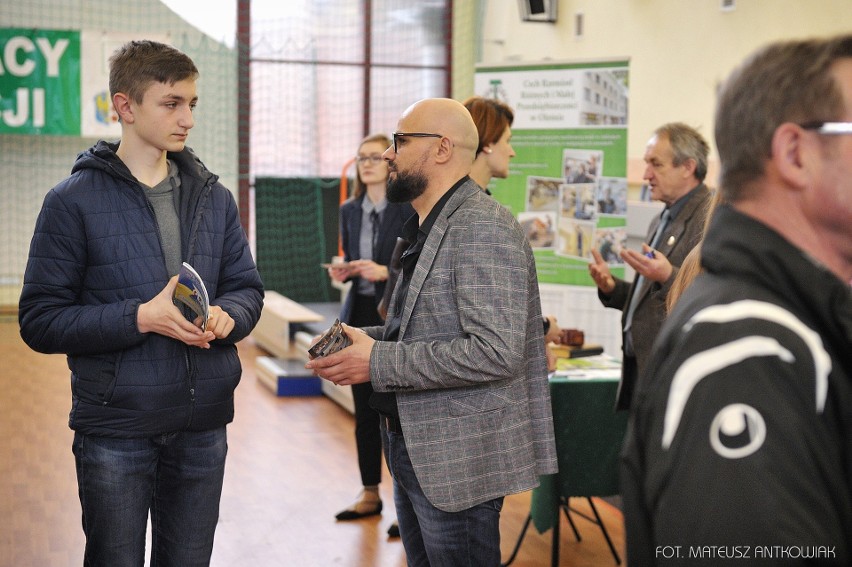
190, 291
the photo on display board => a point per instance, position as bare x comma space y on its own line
577, 201
609, 242
543, 193
575, 238
540, 229
611, 196
581, 166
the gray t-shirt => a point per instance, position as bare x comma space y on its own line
163, 198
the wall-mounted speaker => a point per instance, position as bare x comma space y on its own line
538, 10
536, 6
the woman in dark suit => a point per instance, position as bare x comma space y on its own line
369, 227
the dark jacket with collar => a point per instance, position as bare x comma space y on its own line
741, 428
681, 236
95, 257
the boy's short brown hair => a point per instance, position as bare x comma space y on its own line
137, 64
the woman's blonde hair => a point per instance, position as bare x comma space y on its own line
691, 266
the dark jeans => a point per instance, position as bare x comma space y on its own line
432, 537
177, 477
368, 439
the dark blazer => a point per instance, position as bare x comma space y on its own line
469, 369
681, 236
393, 217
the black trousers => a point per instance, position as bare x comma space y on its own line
368, 439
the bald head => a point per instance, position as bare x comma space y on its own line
434, 147
447, 117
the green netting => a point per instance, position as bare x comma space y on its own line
296, 226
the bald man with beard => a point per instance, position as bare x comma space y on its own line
459, 368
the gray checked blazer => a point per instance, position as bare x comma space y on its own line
469, 370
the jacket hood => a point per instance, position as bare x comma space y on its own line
103, 156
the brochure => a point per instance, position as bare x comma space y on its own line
333, 340
190, 291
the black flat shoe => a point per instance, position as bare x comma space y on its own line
354, 514
393, 530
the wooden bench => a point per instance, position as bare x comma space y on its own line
272, 332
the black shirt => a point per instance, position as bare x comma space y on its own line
385, 402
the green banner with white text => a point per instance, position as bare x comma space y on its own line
39, 82
568, 181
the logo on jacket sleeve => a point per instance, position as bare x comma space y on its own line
737, 431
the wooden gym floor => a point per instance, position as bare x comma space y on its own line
291, 467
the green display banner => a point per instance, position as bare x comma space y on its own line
39, 82
568, 181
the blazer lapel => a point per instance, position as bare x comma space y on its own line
678, 226
430, 249
355, 236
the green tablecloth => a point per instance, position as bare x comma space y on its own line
589, 434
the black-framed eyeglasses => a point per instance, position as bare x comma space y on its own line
375, 159
829, 128
397, 135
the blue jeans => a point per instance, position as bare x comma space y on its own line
177, 477
432, 537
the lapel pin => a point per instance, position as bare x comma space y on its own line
671, 240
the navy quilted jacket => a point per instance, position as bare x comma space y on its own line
95, 257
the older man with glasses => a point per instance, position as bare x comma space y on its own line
459, 368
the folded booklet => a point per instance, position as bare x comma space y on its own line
190, 291
333, 340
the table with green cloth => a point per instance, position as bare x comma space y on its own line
589, 435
